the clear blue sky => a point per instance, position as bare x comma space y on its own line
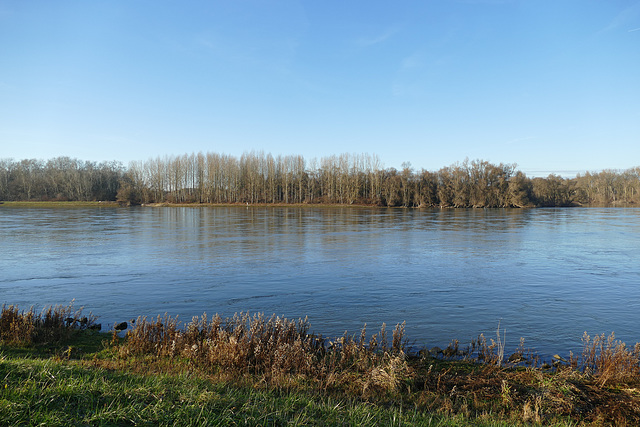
552, 85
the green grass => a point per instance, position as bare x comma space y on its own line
268, 371
61, 393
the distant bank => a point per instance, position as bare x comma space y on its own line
347, 179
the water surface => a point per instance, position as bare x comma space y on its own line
547, 275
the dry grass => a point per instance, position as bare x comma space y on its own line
53, 325
274, 348
281, 353
601, 386
609, 360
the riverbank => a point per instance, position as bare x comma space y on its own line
58, 370
56, 204
83, 204
71, 204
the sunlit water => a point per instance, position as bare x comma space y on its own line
547, 275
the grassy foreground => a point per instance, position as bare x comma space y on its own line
55, 369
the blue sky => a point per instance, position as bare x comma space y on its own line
553, 86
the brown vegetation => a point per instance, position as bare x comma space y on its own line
59, 179
345, 179
601, 386
273, 348
52, 325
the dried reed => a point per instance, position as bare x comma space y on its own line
609, 359
53, 325
272, 347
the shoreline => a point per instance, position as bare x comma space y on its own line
112, 204
243, 368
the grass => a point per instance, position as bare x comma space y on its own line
260, 370
52, 393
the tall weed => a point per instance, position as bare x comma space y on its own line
273, 347
53, 325
609, 359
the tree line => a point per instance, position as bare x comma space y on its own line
61, 178
256, 177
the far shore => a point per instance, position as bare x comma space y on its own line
48, 204
52, 203
109, 203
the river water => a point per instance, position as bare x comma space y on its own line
547, 275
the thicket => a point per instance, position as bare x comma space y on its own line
344, 179
61, 178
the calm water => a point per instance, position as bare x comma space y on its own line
547, 275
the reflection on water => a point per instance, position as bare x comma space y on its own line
547, 274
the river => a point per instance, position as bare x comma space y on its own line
547, 275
